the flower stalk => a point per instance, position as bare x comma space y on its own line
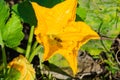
34, 53
4, 59
29, 42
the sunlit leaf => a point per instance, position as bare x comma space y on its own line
4, 10
102, 16
59, 60
10, 27
81, 12
4, 13
93, 49
12, 32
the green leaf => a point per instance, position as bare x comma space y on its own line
93, 49
102, 16
12, 32
13, 74
4, 13
58, 60
59, 64
25, 11
81, 12
47, 3
10, 27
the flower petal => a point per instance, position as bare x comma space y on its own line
65, 13
50, 46
70, 51
53, 20
78, 31
67, 49
41, 13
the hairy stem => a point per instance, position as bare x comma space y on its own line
34, 53
19, 50
29, 42
4, 59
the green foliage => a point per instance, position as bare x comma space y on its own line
12, 32
4, 13
4, 9
112, 65
47, 3
13, 74
48, 77
59, 60
25, 11
92, 48
102, 16
81, 12
10, 27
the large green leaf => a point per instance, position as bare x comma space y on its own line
10, 27
47, 3
62, 66
59, 60
4, 10
12, 32
93, 49
102, 16
81, 12
25, 11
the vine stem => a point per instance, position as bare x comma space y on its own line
4, 59
34, 53
34, 45
20, 50
29, 42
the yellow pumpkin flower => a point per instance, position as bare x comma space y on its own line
58, 32
21, 64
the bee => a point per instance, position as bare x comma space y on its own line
57, 39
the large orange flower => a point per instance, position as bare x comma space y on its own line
58, 32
